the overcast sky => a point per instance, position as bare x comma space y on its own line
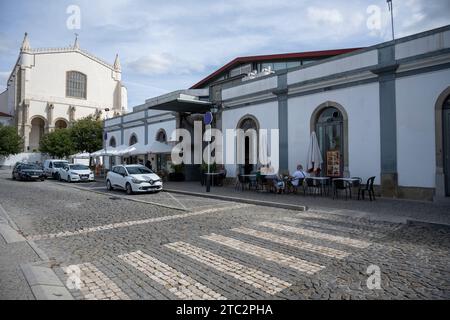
170, 45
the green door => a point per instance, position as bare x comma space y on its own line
447, 150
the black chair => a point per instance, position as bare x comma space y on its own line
341, 185
294, 184
368, 187
240, 183
314, 186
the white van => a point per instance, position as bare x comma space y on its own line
52, 166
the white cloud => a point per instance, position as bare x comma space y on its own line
325, 16
164, 63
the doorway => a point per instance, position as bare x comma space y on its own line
330, 135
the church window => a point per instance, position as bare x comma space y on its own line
76, 85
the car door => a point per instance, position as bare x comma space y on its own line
122, 177
115, 176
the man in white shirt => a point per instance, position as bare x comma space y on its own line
298, 175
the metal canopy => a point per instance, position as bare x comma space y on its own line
184, 105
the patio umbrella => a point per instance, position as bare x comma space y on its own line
314, 158
263, 148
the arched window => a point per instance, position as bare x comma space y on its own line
61, 124
161, 136
76, 84
133, 139
112, 142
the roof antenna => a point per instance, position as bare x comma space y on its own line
391, 9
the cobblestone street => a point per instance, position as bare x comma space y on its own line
172, 246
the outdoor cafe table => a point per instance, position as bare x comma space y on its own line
323, 182
349, 180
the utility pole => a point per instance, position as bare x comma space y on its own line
391, 9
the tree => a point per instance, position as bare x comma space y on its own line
10, 141
57, 143
87, 134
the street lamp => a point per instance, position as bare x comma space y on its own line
391, 9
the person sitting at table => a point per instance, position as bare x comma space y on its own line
298, 175
267, 170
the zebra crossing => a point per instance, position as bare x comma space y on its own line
182, 285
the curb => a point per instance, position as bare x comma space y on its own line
241, 200
44, 283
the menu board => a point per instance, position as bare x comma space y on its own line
333, 164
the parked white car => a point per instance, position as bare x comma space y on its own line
133, 178
52, 166
75, 173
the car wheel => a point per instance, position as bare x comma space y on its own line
109, 187
60, 178
42, 179
13, 177
128, 188
69, 180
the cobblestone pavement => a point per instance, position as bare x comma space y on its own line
198, 248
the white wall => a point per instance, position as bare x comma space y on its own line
153, 129
29, 157
138, 131
47, 78
266, 114
4, 102
362, 106
423, 45
352, 62
416, 151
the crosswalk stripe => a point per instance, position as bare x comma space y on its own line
127, 224
330, 226
318, 235
251, 276
329, 252
282, 259
181, 285
95, 285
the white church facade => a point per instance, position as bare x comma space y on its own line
51, 88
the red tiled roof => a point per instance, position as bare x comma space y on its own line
2, 114
273, 57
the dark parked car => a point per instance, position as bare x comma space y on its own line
28, 171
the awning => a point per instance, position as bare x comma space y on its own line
139, 149
159, 147
83, 155
102, 152
180, 101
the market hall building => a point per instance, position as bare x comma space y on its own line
380, 111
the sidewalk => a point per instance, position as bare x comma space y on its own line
382, 209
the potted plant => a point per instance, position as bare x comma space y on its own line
177, 174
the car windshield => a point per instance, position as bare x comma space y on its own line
29, 167
59, 164
138, 170
78, 167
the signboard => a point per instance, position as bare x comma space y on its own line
208, 118
333, 164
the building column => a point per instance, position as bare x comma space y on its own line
72, 110
50, 124
386, 70
281, 92
26, 126
146, 140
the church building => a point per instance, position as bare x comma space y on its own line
53, 87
